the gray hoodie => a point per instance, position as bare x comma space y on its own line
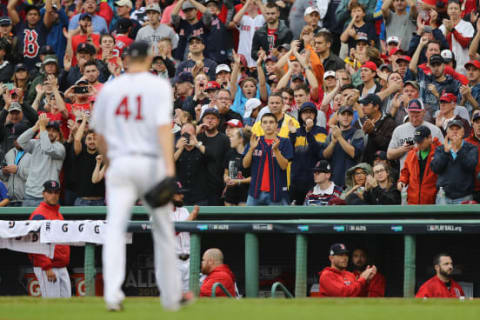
349, 182
16, 182
47, 159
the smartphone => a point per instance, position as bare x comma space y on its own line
187, 137
410, 142
9, 85
80, 89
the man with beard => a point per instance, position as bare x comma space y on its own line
216, 271
101, 16
197, 61
84, 160
224, 100
182, 247
376, 286
216, 145
441, 285
336, 281
85, 35
48, 154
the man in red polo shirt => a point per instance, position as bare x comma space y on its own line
441, 285
336, 281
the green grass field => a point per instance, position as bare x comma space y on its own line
245, 309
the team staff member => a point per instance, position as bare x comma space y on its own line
216, 271
52, 274
441, 285
336, 281
376, 286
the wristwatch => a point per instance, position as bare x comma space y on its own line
198, 144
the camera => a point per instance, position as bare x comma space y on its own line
80, 89
410, 142
187, 137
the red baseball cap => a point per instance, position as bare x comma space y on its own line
235, 123
370, 65
448, 97
212, 85
474, 63
404, 58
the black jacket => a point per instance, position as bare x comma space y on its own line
378, 195
379, 138
260, 38
456, 176
333, 62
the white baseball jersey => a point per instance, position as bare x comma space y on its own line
183, 238
128, 111
247, 28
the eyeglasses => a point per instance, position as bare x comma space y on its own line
378, 171
363, 173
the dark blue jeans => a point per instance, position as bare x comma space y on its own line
87, 203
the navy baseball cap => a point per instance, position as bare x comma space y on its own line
179, 188
184, 77
436, 58
211, 111
345, 109
51, 186
5, 21
46, 49
421, 133
322, 166
195, 37
123, 24
86, 48
380, 154
476, 116
54, 124
457, 123
415, 105
371, 98
338, 249
85, 16
308, 106
138, 49
21, 66
298, 76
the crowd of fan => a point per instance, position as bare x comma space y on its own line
324, 102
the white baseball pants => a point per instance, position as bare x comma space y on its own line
127, 179
184, 268
62, 288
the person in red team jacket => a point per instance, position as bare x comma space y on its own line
216, 271
441, 285
376, 286
336, 281
52, 274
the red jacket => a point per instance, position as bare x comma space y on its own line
436, 288
426, 191
336, 283
375, 287
61, 256
473, 140
221, 274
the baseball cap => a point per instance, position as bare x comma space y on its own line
395, 51
361, 37
251, 105
54, 124
386, 66
234, 123
308, 106
21, 66
222, 67
212, 85
476, 116
421, 133
138, 49
81, 82
382, 155
311, 9
329, 73
179, 188
192, 37
184, 77
271, 58
322, 166
18, 129
211, 111
415, 105
474, 63
187, 5
50, 59
371, 98
5, 21
123, 24
15, 106
345, 109
448, 97
457, 123
214, 1
447, 55
413, 84
436, 58
153, 7
51, 185
285, 46
86, 48
404, 58
427, 29
85, 16
298, 76
393, 39
370, 65
337, 249
124, 3
46, 49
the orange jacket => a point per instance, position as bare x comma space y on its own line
425, 192
473, 140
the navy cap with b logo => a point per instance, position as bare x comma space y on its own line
337, 249
51, 186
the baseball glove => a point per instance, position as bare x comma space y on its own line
161, 193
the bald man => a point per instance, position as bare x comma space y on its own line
216, 271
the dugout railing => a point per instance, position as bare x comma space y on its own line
407, 221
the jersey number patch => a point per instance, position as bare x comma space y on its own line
123, 109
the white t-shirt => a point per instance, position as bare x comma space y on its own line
128, 111
246, 30
461, 54
182, 245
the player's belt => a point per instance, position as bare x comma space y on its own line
183, 256
144, 154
